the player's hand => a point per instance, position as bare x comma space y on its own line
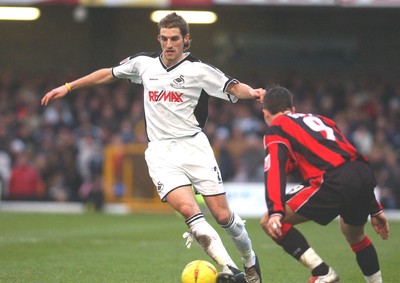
54, 94
380, 225
258, 94
272, 225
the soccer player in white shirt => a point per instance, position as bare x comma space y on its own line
179, 156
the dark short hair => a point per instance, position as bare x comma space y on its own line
173, 20
277, 99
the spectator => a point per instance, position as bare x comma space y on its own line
92, 193
362, 139
25, 182
5, 171
25, 126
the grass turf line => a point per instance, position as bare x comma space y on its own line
147, 248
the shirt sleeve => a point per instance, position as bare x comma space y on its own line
275, 177
215, 82
375, 206
128, 69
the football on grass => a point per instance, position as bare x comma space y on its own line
199, 271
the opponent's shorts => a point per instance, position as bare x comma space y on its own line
181, 162
346, 191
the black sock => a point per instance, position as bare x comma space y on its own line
320, 270
366, 256
367, 260
294, 243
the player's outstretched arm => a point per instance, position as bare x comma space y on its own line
98, 77
58, 92
244, 91
380, 225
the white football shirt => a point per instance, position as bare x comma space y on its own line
175, 98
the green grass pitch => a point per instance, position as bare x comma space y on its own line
149, 248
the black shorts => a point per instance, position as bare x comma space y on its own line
346, 191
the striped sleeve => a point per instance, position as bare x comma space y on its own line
275, 172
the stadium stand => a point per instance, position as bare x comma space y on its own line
66, 141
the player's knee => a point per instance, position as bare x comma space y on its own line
352, 234
223, 217
188, 211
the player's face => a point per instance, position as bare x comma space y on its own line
172, 43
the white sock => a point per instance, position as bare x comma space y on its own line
310, 259
374, 278
240, 238
210, 241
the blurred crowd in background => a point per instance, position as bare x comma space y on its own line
56, 152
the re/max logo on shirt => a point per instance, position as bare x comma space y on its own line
170, 96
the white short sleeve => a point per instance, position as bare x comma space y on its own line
216, 82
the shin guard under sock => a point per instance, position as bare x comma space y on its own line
240, 238
295, 244
209, 240
366, 256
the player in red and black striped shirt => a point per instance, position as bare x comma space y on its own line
338, 181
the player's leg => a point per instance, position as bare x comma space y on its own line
236, 230
362, 246
359, 183
183, 201
172, 166
202, 169
295, 244
232, 224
